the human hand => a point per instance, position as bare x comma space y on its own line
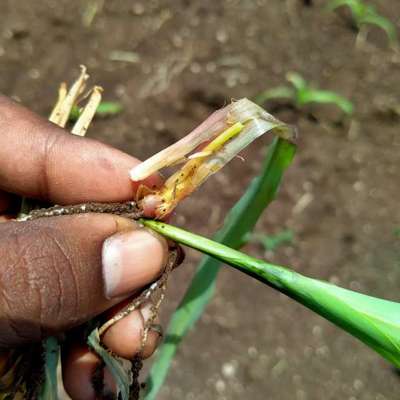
58, 272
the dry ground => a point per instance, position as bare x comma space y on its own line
340, 197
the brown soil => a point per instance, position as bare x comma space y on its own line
340, 197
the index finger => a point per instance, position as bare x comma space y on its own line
40, 160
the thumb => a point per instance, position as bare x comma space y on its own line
58, 272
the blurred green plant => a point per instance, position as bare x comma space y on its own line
302, 93
272, 242
374, 321
90, 10
364, 14
104, 110
50, 389
118, 367
238, 223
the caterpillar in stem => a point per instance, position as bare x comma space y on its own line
206, 150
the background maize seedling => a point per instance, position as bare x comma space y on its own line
104, 110
302, 93
364, 15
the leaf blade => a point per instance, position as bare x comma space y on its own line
382, 23
327, 97
119, 368
104, 110
374, 321
279, 92
49, 389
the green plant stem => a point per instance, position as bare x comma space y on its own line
49, 389
269, 274
374, 321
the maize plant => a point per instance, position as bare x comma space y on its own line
364, 15
35, 373
301, 93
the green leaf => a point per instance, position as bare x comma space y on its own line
280, 92
109, 109
302, 94
374, 321
272, 242
334, 4
119, 367
326, 97
238, 223
383, 23
49, 390
75, 113
296, 80
104, 110
363, 13
357, 8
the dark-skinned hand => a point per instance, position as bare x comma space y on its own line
58, 272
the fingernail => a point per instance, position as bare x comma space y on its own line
132, 259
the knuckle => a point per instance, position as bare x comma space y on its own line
50, 144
